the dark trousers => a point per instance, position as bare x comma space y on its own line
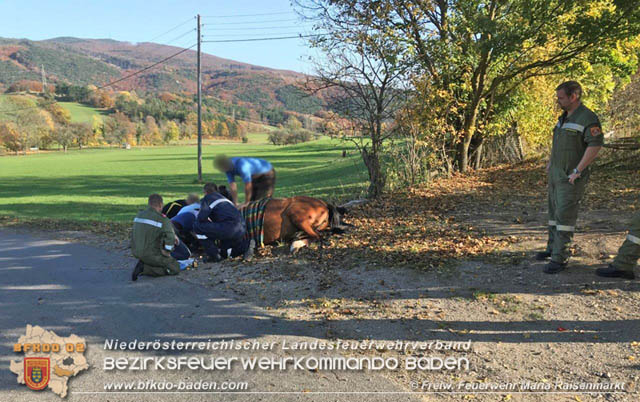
263, 185
185, 236
181, 251
224, 239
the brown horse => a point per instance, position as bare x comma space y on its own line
300, 220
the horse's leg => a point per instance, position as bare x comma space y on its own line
296, 245
305, 226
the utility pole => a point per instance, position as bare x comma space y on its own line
199, 107
44, 81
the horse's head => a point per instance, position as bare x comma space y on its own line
336, 223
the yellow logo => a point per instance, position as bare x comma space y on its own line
49, 360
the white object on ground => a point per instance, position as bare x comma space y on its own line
185, 263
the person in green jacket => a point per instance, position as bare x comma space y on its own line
152, 242
628, 254
577, 139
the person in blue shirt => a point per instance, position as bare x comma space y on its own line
258, 175
220, 221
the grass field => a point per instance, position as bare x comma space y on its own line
14, 102
111, 185
81, 113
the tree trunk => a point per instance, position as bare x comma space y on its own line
467, 134
478, 155
376, 177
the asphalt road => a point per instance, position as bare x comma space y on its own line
72, 288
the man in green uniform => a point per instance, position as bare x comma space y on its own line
577, 139
628, 254
152, 241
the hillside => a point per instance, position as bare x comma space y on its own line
98, 61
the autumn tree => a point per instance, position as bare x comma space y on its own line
83, 134
64, 135
59, 114
365, 73
479, 52
119, 129
97, 130
101, 99
171, 132
32, 125
221, 129
10, 137
152, 134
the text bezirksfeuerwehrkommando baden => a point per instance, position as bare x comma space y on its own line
307, 362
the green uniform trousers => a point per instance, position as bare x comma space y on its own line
564, 199
159, 265
629, 252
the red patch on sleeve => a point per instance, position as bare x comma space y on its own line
595, 131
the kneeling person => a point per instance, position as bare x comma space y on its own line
219, 220
155, 244
628, 254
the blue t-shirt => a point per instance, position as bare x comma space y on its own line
247, 167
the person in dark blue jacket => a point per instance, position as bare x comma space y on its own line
219, 221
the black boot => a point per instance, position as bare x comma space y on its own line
137, 271
554, 267
613, 272
209, 259
542, 255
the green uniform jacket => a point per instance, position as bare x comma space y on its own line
571, 137
152, 233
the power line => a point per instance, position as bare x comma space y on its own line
146, 68
252, 29
261, 39
252, 22
244, 35
247, 15
178, 37
172, 29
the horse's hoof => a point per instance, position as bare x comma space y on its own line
296, 246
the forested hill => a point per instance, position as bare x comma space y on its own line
98, 61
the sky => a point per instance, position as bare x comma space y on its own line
140, 21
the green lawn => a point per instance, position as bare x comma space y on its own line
81, 113
110, 185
